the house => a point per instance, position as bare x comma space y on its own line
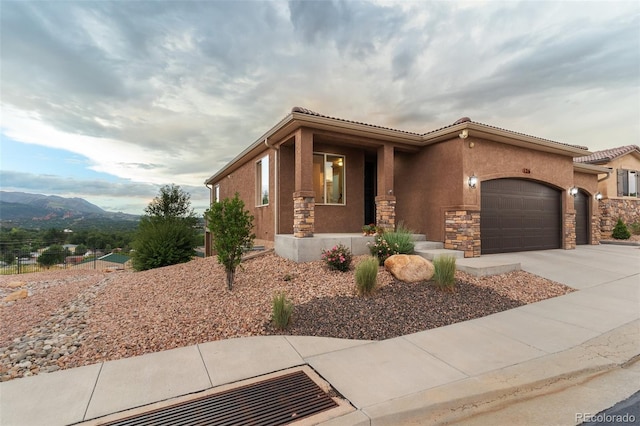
619, 187
471, 186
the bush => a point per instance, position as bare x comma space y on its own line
367, 275
387, 244
620, 231
338, 258
401, 240
445, 272
635, 228
231, 227
281, 311
163, 242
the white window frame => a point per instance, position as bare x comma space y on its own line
262, 174
216, 193
344, 179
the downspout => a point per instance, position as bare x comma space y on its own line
276, 200
207, 241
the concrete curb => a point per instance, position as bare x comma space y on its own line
465, 398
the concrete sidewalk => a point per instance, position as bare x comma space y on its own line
435, 374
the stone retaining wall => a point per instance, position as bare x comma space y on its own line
611, 210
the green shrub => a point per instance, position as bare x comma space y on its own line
338, 258
163, 242
281, 311
635, 228
620, 231
367, 275
387, 244
445, 272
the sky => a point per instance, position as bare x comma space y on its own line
109, 100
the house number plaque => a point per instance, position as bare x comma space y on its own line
527, 171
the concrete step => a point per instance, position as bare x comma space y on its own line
418, 237
434, 253
428, 245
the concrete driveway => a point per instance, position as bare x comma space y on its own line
584, 267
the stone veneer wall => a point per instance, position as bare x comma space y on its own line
303, 216
462, 232
570, 230
626, 209
386, 212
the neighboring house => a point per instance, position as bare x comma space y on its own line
620, 188
111, 261
474, 187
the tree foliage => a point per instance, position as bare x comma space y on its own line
166, 234
231, 226
172, 202
53, 255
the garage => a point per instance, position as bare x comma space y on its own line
581, 205
519, 215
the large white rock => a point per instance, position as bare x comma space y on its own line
409, 268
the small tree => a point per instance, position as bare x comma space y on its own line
80, 250
231, 226
620, 231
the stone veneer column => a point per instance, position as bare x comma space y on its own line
304, 204
386, 212
462, 232
595, 229
570, 230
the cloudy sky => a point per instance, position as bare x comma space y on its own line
108, 100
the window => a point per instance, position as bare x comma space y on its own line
216, 193
628, 183
262, 181
328, 178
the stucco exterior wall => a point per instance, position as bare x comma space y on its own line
350, 216
609, 186
426, 184
243, 181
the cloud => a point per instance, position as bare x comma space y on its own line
161, 91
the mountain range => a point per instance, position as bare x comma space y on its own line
37, 211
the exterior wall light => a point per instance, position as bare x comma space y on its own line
598, 196
573, 191
473, 181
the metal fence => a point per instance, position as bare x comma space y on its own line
20, 261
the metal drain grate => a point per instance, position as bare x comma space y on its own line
277, 401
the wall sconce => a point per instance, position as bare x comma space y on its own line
573, 191
473, 181
598, 196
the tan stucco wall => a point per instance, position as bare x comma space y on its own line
609, 186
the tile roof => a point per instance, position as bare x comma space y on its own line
459, 121
607, 155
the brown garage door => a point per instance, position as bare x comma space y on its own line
581, 204
519, 215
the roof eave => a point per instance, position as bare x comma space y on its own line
504, 136
590, 168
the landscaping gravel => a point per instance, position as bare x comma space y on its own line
74, 318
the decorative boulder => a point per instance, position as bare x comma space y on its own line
409, 268
16, 284
17, 295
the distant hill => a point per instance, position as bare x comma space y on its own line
46, 211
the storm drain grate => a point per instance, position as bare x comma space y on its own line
277, 401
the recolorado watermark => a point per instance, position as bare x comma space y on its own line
608, 418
